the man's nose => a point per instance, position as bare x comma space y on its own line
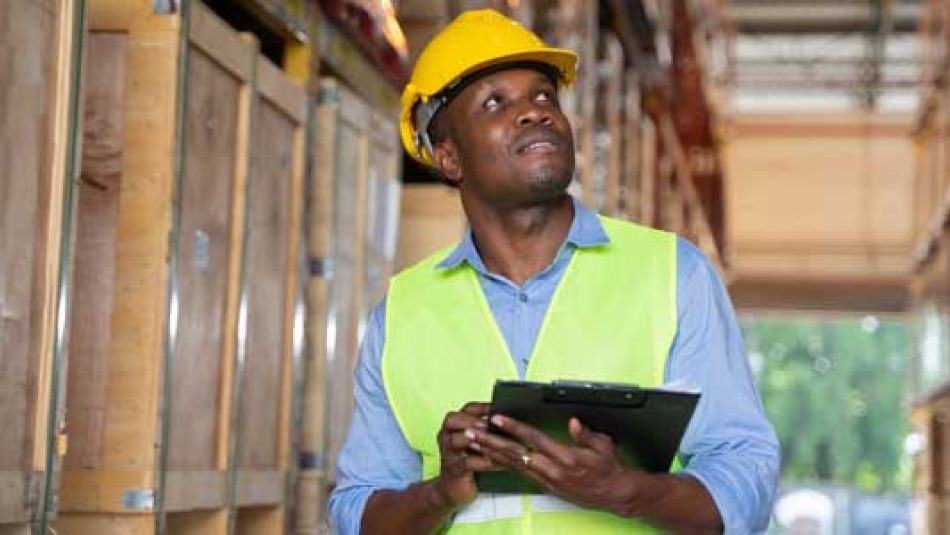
532, 113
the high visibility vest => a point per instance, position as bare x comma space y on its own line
612, 318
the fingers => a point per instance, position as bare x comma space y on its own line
471, 415
460, 454
476, 408
586, 438
531, 438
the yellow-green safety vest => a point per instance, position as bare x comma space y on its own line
611, 318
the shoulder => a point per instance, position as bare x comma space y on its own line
622, 227
427, 264
690, 260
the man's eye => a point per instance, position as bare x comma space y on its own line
492, 102
545, 96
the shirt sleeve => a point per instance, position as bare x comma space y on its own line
730, 445
375, 454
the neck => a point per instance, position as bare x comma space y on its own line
519, 242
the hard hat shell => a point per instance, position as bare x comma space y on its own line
473, 41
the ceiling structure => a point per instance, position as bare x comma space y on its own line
821, 55
818, 100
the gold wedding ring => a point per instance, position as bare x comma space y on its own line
526, 459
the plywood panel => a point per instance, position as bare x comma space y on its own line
209, 167
267, 261
93, 280
25, 61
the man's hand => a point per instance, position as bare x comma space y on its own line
460, 455
587, 473
421, 508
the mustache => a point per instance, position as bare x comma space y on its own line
538, 134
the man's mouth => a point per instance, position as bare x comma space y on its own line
538, 146
538, 143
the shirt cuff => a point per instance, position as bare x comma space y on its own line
735, 518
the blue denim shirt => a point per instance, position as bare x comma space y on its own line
729, 445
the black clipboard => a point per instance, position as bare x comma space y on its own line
646, 424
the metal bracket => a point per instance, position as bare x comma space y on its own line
139, 499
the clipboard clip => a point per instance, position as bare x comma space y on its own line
593, 393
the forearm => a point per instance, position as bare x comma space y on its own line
674, 503
419, 509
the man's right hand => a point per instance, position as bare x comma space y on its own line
460, 455
423, 507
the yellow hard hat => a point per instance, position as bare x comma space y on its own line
473, 42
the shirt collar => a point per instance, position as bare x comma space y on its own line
586, 231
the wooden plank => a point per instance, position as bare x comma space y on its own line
266, 265
89, 524
260, 487
350, 148
97, 208
90, 491
273, 244
36, 45
25, 61
292, 299
349, 107
229, 357
260, 521
14, 497
281, 91
192, 490
203, 257
219, 41
140, 311
198, 522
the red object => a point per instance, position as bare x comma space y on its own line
359, 25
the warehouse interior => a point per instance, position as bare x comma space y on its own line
202, 200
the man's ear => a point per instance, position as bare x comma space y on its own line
445, 157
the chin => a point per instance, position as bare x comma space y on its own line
550, 182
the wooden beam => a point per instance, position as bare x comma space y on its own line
820, 295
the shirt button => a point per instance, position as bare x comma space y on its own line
523, 297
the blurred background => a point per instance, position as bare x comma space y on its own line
201, 200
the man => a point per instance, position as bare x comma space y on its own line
540, 288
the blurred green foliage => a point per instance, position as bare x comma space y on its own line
834, 390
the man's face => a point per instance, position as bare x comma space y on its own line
512, 144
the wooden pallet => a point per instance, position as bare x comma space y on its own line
181, 381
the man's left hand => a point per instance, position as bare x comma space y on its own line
586, 473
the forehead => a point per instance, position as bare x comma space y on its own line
509, 77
